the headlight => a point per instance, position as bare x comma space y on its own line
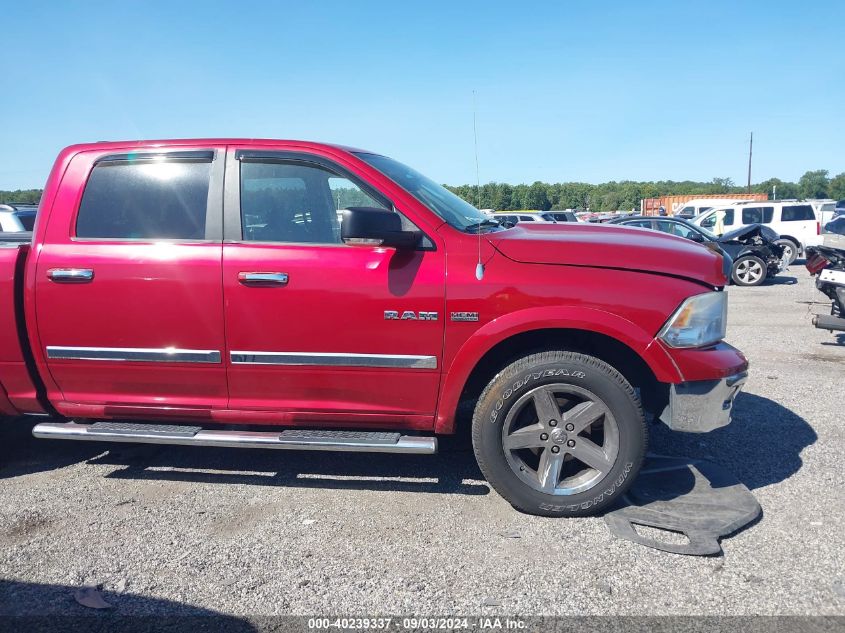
700, 320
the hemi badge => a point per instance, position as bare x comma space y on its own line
464, 316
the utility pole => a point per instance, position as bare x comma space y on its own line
750, 146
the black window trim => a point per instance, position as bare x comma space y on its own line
214, 202
232, 230
142, 156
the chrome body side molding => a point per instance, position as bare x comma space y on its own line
324, 359
134, 354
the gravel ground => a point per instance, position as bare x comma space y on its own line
181, 530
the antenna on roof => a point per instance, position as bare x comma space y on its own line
479, 267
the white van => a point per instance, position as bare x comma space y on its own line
795, 221
693, 208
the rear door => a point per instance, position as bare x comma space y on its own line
317, 330
128, 291
757, 215
799, 221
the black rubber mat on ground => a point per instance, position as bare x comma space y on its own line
688, 504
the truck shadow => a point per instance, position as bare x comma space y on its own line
22, 454
448, 472
762, 445
28, 606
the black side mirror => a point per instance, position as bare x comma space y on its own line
696, 237
371, 226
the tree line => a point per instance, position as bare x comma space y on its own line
626, 194
608, 196
28, 196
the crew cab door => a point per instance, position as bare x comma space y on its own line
317, 330
128, 294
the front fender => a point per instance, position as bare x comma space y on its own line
540, 318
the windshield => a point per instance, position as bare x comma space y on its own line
452, 209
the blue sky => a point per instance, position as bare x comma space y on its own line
566, 91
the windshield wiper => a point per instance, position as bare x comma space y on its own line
482, 224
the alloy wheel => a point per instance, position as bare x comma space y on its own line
560, 439
749, 271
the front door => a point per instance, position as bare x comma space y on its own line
129, 301
317, 330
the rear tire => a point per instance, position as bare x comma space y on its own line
559, 434
790, 250
749, 271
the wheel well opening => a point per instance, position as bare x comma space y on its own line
615, 353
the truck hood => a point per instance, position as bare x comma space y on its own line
608, 246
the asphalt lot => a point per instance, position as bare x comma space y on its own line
190, 530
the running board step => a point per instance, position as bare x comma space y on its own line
291, 439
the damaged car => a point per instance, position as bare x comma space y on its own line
754, 250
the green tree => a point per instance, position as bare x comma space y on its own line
776, 187
723, 185
502, 197
28, 196
814, 184
536, 197
837, 187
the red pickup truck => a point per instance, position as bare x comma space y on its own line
296, 295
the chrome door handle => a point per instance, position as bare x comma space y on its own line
263, 279
71, 275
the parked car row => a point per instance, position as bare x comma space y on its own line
756, 251
515, 217
795, 222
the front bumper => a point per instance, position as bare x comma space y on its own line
700, 406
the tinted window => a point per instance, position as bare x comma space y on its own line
798, 213
646, 224
757, 215
27, 219
145, 200
292, 202
527, 218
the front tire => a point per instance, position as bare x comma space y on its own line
559, 434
